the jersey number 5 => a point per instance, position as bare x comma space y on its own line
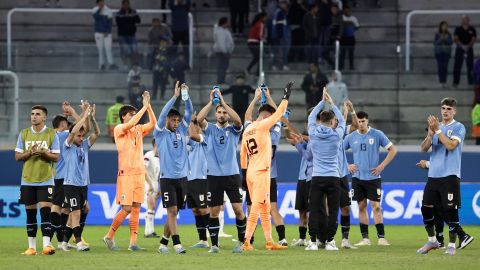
252, 146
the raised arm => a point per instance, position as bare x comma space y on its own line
270, 99
136, 118
237, 121
341, 121
312, 117
193, 131
188, 110
354, 125
251, 107
427, 142
152, 121
77, 127
274, 118
96, 129
162, 118
202, 115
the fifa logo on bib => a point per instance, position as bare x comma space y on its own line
449, 132
450, 196
371, 141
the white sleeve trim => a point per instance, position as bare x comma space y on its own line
158, 129
185, 123
202, 139
456, 138
389, 145
18, 150
55, 151
66, 144
237, 130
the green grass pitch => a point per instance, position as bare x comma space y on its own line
401, 255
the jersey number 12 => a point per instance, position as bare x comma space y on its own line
252, 146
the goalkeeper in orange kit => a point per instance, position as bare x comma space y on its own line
256, 157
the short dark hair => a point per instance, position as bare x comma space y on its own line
119, 99
449, 101
220, 105
40, 107
173, 112
362, 115
266, 107
124, 110
72, 126
222, 21
326, 116
57, 120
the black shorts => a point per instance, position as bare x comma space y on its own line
75, 197
444, 191
30, 195
58, 193
345, 199
174, 192
273, 192
230, 184
367, 189
301, 198
198, 195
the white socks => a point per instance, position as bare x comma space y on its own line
32, 242
149, 227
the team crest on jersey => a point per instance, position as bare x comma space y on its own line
201, 197
450, 196
178, 136
379, 192
50, 190
449, 133
227, 132
371, 141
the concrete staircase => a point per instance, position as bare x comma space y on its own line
56, 59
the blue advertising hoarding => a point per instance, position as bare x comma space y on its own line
401, 204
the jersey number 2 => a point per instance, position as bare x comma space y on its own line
252, 146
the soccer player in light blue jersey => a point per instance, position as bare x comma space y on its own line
170, 135
198, 196
222, 165
275, 134
324, 142
366, 169
444, 171
77, 177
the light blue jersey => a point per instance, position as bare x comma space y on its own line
443, 162
222, 149
342, 161
197, 159
366, 151
325, 143
60, 165
305, 149
275, 135
172, 145
76, 164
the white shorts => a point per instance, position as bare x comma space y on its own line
156, 187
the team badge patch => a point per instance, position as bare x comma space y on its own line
449, 133
350, 194
450, 196
178, 136
379, 192
50, 190
201, 197
227, 132
371, 141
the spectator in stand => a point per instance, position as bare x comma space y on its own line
337, 89
270, 9
476, 121
161, 68
180, 10
295, 16
134, 74
464, 37
324, 21
112, 118
336, 28
256, 35
222, 47
159, 31
443, 50
240, 95
238, 13
310, 26
313, 84
347, 41
179, 66
103, 34
127, 20
281, 36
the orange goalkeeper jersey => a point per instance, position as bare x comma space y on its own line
256, 150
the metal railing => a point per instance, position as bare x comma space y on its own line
425, 12
16, 97
66, 10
